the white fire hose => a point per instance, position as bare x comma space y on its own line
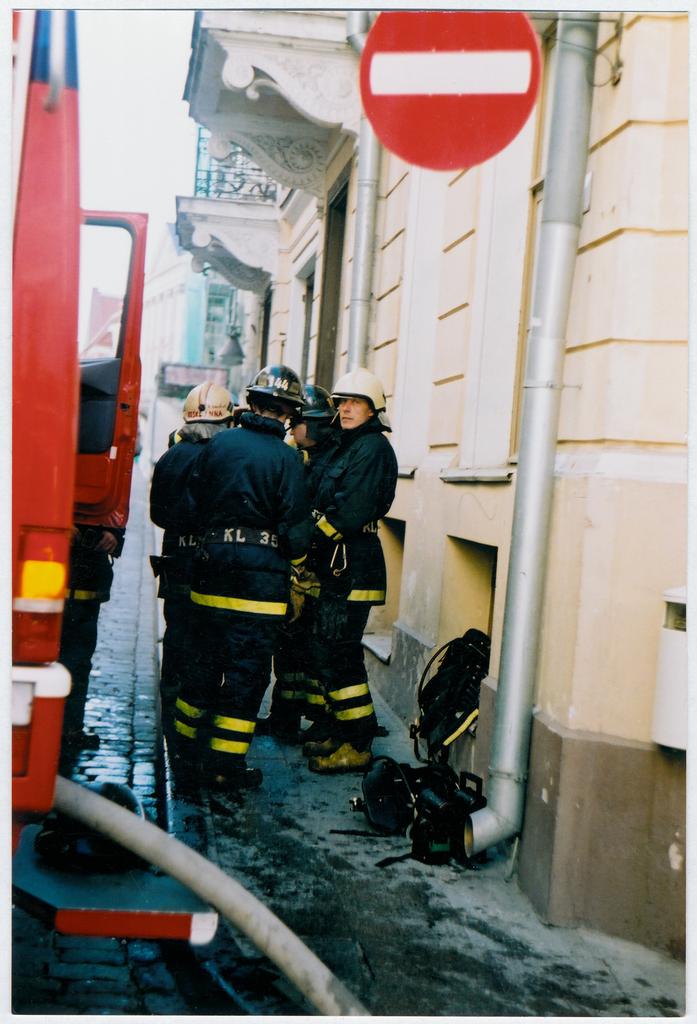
268, 933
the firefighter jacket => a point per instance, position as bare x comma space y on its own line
91, 572
318, 458
253, 515
170, 508
354, 490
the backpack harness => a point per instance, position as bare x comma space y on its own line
431, 802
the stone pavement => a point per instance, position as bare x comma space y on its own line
408, 939
60, 974
415, 939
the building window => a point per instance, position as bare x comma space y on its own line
265, 328
331, 283
468, 589
221, 315
308, 299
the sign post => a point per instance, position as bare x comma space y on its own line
449, 89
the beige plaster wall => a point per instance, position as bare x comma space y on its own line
391, 224
455, 298
619, 536
616, 546
654, 82
610, 553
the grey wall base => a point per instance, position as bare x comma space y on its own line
604, 836
397, 680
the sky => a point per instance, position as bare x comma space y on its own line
138, 143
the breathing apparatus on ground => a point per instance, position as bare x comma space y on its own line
431, 803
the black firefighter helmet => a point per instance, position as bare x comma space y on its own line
276, 382
318, 404
71, 846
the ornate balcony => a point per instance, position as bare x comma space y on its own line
237, 238
280, 84
230, 224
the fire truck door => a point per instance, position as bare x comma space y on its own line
112, 258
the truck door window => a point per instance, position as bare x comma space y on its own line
105, 254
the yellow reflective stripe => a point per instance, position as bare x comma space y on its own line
185, 730
83, 595
362, 712
188, 709
349, 691
315, 698
240, 604
326, 527
366, 595
465, 725
298, 561
233, 724
229, 746
292, 694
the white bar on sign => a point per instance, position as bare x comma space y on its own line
450, 73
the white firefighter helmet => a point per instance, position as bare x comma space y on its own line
361, 383
208, 403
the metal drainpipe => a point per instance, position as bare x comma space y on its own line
357, 26
561, 219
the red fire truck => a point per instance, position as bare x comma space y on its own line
76, 382
61, 406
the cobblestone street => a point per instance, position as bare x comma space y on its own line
54, 973
410, 939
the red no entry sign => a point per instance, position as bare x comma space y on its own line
449, 89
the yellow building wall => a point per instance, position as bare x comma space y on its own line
619, 521
625, 376
391, 224
618, 527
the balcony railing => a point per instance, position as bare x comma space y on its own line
237, 177
229, 183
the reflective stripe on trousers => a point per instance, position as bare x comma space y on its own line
350, 702
221, 733
338, 662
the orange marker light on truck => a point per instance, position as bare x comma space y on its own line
42, 580
42, 571
41, 576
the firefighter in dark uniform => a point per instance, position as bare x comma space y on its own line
208, 409
251, 510
296, 694
355, 490
92, 553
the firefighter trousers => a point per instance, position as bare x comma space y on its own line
296, 693
218, 701
78, 643
337, 661
179, 644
